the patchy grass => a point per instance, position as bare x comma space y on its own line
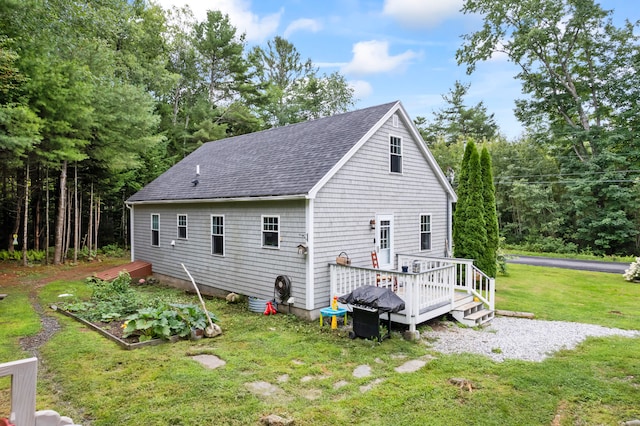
567, 295
95, 382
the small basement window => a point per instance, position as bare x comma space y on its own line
271, 231
182, 226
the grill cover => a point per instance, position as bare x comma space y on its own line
380, 298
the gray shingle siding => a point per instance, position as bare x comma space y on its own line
246, 267
363, 188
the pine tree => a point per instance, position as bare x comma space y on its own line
488, 261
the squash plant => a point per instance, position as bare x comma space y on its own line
166, 321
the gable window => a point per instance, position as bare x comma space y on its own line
182, 226
155, 229
271, 231
217, 235
395, 154
425, 232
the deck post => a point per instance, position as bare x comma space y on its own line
413, 303
24, 375
492, 294
333, 284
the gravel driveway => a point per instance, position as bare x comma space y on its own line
517, 338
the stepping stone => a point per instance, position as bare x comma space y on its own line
411, 366
311, 394
366, 388
210, 361
362, 371
283, 379
264, 389
340, 384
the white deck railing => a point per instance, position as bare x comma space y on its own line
420, 291
467, 277
428, 288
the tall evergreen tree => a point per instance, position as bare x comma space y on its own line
459, 216
472, 236
487, 263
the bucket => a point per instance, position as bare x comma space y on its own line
257, 305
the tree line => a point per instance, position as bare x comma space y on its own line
572, 182
99, 98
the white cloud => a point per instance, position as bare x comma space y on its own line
303, 24
421, 13
361, 89
373, 57
257, 28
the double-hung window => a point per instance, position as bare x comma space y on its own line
155, 229
182, 226
395, 154
217, 235
425, 232
271, 231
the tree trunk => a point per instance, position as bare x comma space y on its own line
62, 203
95, 228
90, 225
76, 214
67, 226
25, 227
46, 218
19, 205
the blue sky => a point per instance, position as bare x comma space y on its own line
387, 49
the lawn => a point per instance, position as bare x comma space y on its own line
92, 380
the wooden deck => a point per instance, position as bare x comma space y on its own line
137, 269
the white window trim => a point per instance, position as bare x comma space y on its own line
395, 121
186, 226
430, 232
151, 226
224, 237
262, 231
401, 154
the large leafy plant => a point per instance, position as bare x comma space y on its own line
166, 321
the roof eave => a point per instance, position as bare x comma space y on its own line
221, 200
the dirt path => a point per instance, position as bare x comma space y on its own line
36, 277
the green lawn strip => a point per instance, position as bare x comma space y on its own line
515, 251
90, 378
17, 319
567, 295
162, 385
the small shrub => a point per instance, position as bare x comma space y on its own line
633, 272
112, 250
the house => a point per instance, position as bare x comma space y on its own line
241, 211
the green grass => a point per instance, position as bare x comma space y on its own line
567, 295
95, 382
515, 251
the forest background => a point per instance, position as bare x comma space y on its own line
99, 98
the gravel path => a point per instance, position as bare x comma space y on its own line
517, 338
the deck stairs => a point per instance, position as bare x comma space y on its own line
469, 312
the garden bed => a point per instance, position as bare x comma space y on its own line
113, 331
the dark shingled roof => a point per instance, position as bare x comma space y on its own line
282, 161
